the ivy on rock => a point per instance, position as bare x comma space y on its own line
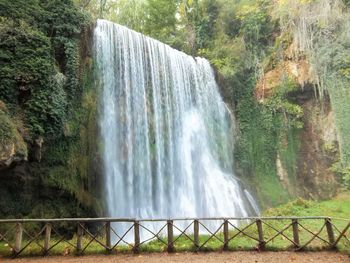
39, 58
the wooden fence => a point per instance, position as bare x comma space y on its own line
18, 236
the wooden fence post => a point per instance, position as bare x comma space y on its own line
108, 237
341, 235
295, 233
196, 233
260, 234
225, 235
47, 237
79, 238
330, 231
137, 237
18, 238
170, 236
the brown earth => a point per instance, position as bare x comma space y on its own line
241, 257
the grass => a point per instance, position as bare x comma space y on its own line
337, 208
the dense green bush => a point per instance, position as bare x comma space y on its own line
27, 70
39, 43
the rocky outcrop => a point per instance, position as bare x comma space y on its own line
9, 155
297, 71
12, 146
317, 139
293, 67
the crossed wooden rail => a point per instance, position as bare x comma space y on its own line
224, 232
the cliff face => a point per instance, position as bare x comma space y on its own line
48, 107
297, 71
317, 150
61, 171
310, 52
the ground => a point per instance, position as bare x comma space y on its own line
241, 257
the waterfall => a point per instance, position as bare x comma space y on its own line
167, 135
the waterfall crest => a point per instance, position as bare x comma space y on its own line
167, 135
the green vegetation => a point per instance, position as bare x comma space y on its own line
336, 208
46, 84
38, 46
324, 39
70, 164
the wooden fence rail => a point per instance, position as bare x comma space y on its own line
111, 234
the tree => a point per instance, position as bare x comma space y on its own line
161, 19
130, 13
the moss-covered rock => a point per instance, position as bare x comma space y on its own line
12, 146
50, 121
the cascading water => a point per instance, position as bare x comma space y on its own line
166, 132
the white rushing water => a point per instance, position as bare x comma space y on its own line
167, 134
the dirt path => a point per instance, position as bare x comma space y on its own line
232, 257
